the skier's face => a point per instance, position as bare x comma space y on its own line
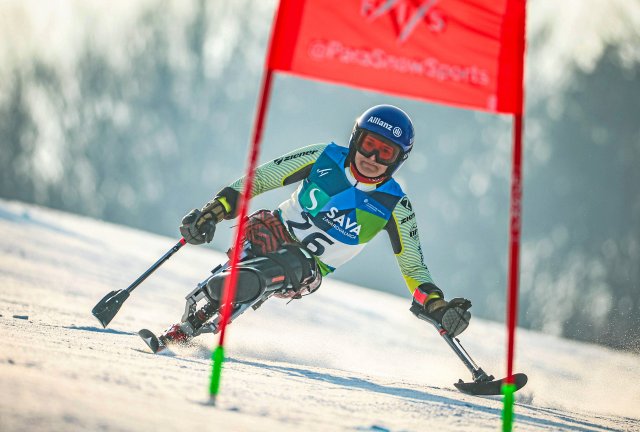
367, 166
370, 144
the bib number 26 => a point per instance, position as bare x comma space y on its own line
313, 241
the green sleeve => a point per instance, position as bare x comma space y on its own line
403, 233
287, 169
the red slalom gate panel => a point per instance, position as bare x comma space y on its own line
459, 52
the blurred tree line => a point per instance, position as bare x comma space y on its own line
583, 206
126, 144
142, 141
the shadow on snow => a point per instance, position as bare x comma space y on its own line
98, 330
572, 424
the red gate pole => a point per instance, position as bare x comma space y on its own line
514, 258
229, 291
230, 284
515, 213
514, 242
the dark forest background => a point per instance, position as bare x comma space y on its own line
141, 129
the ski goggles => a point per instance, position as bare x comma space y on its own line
386, 153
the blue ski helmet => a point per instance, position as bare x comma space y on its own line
389, 123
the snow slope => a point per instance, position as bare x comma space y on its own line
345, 358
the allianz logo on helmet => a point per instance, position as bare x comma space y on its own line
378, 121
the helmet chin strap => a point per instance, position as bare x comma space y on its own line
364, 179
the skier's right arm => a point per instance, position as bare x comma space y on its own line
287, 169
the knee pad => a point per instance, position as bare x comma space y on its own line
300, 268
287, 269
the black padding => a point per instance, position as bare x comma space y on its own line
293, 263
299, 175
249, 287
286, 268
394, 235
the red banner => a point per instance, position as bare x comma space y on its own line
467, 53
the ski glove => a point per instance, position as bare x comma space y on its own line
198, 227
452, 315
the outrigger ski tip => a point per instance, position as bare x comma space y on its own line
154, 344
490, 388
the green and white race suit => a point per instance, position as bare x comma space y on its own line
334, 215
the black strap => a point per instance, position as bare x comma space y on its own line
289, 273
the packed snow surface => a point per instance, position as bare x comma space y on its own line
345, 358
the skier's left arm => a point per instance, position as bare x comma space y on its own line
452, 315
403, 233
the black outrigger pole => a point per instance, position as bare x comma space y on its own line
482, 383
108, 307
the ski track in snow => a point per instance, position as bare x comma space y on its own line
345, 358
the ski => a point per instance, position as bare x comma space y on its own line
154, 344
490, 388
